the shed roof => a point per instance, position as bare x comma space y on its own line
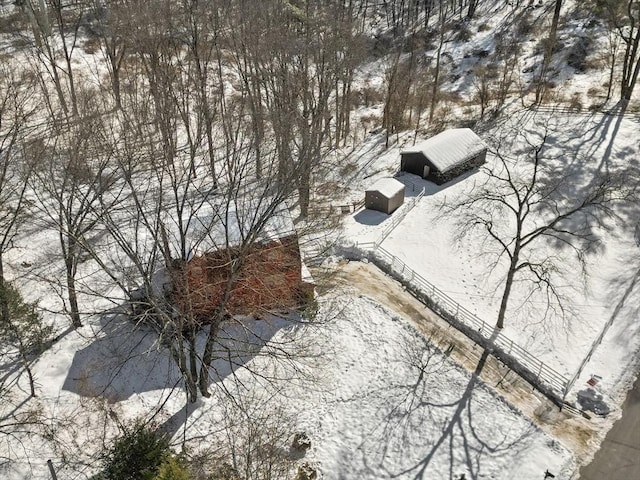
450, 148
388, 187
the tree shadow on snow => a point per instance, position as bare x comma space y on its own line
120, 360
463, 439
625, 291
124, 359
239, 342
465, 444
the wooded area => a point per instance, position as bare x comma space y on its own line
124, 121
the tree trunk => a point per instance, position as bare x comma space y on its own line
72, 85
630, 82
304, 194
27, 367
472, 8
115, 83
436, 80
207, 356
505, 298
513, 266
4, 304
70, 263
189, 380
56, 79
631, 63
73, 301
548, 52
193, 356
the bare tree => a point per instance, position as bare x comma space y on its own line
445, 13
302, 68
398, 82
524, 209
507, 53
110, 26
203, 26
17, 421
623, 17
22, 331
65, 20
613, 47
482, 88
471, 11
549, 46
15, 91
255, 439
164, 216
72, 176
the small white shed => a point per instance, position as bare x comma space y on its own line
386, 195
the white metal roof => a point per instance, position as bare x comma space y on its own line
211, 227
450, 148
388, 187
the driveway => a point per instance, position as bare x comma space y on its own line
619, 454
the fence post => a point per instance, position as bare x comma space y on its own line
441, 303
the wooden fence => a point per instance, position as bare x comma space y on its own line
545, 378
397, 218
344, 209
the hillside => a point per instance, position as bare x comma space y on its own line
137, 136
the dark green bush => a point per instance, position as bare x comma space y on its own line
137, 454
172, 468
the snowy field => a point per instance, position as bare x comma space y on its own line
428, 240
394, 407
376, 401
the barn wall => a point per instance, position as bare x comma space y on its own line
395, 202
374, 200
440, 178
270, 279
413, 162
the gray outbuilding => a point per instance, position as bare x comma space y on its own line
444, 157
386, 195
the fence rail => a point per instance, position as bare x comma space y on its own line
545, 378
509, 351
339, 209
579, 110
398, 217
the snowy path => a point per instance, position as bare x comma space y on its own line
618, 457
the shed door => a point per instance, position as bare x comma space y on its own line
426, 171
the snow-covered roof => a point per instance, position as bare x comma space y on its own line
212, 227
450, 148
388, 187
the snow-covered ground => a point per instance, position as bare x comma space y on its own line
377, 401
429, 241
394, 407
